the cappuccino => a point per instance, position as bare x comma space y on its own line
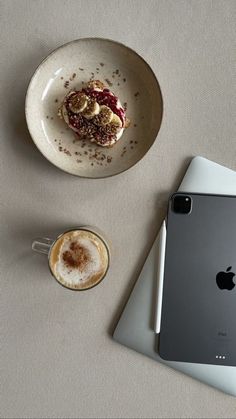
79, 259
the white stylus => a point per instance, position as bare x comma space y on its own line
160, 275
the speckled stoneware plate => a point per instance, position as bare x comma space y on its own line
70, 67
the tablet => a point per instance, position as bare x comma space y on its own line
199, 294
135, 327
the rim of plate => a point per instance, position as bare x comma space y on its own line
34, 75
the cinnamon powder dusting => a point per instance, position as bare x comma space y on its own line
76, 257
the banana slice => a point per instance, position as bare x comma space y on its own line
116, 121
78, 103
104, 117
92, 109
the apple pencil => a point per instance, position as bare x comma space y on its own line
160, 276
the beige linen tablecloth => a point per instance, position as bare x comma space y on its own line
57, 356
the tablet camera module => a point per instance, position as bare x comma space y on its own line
182, 204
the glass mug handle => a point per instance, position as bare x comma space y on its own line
42, 245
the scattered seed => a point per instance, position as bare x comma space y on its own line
81, 69
109, 82
124, 80
136, 142
136, 94
67, 152
101, 64
56, 100
62, 78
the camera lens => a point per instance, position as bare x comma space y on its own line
182, 204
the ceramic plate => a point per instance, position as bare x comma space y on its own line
70, 67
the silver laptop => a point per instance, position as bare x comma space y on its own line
135, 328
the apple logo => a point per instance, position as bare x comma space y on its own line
224, 280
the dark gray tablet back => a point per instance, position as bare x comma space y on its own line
198, 321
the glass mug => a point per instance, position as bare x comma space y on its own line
78, 258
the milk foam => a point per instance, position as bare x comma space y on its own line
74, 276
